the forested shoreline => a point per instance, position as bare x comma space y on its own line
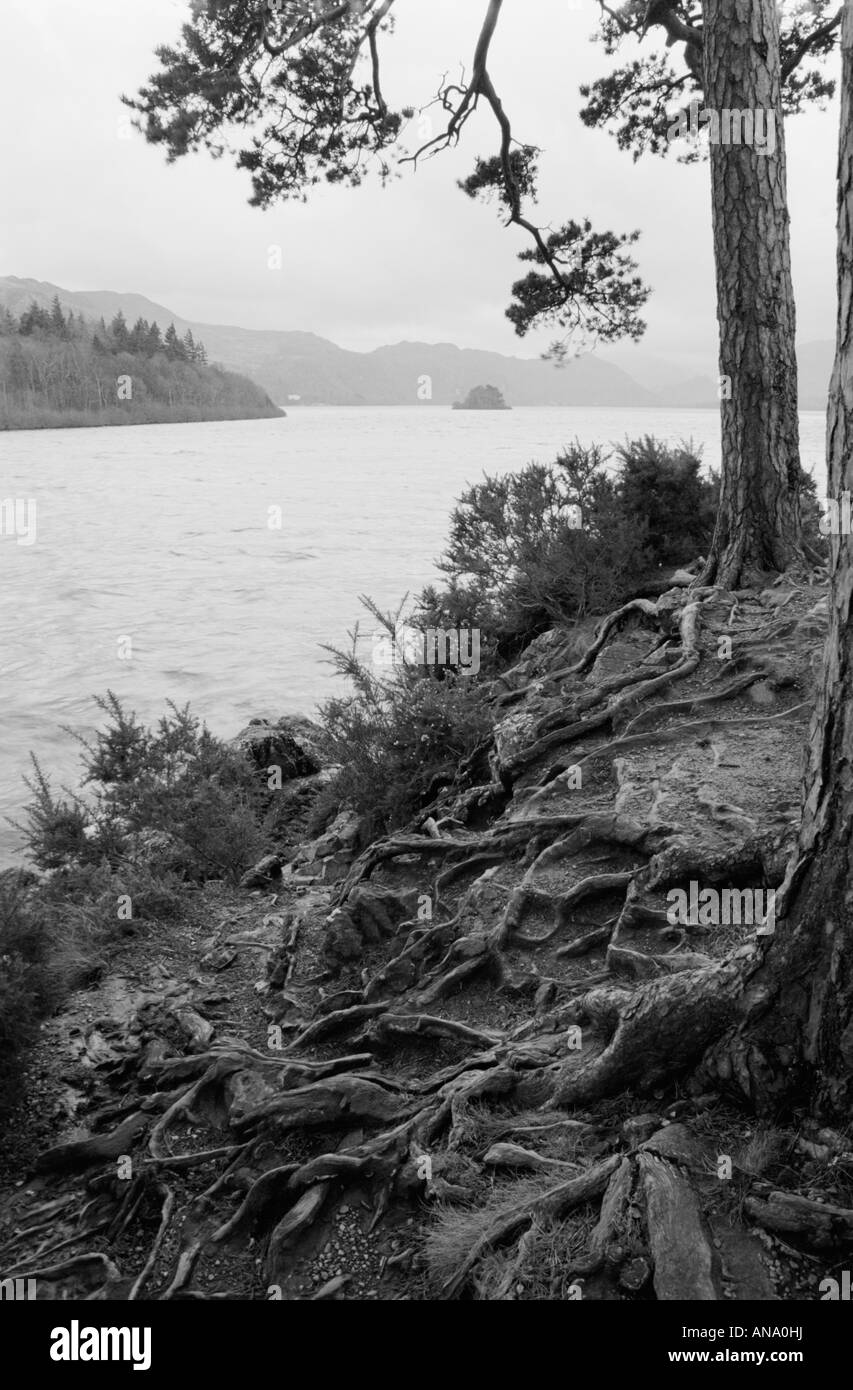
61, 371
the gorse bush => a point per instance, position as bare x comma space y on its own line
556, 542
811, 514
46, 947
663, 490
178, 782
24, 992
55, 934
55, 831
159, 810
400, 736
527, 551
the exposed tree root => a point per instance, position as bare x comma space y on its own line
820, 1224
393, 1026
165, 1220
392, 1084
588, 887
83, 1153
610, 624
396, 848
680, 1247
580, 728
660, 1029
545, 1207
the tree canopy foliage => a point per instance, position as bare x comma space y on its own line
294, 94
293, 91
61, 369
635, 101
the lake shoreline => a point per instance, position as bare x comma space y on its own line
164, 535
105, 420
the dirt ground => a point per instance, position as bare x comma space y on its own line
387, 1075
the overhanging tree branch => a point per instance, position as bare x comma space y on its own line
809, 43
303, 31
308, 88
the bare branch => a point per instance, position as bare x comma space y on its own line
470, 93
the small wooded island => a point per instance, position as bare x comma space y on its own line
482, 398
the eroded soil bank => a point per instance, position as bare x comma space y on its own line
473, 1059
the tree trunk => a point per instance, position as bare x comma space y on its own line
758, 520
802, 1049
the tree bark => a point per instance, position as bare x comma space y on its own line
802, 1048
758, 521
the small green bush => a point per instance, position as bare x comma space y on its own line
55, 934
401, 737
556, 542
663, 490
811, 514
31, 981
160, 807
178, 780
55, 832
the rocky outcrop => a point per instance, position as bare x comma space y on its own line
293, 744
329, 857
402, 1027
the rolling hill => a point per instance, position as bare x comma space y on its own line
291, 364
302, 368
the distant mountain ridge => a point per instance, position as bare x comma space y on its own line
290, 364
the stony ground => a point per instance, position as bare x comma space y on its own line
407, 1072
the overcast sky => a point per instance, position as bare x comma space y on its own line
88, 209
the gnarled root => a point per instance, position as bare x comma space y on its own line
660, 1030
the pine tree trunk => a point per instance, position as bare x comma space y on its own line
805, 1044
758, 521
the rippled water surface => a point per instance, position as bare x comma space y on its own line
159, 534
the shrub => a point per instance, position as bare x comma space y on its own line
157, 801
399, 739
19, 1016
526, 552
811, 514
55, 832
663, 490
556, 542
177, 780
31, 971
55, 934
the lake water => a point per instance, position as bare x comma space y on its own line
159, 534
